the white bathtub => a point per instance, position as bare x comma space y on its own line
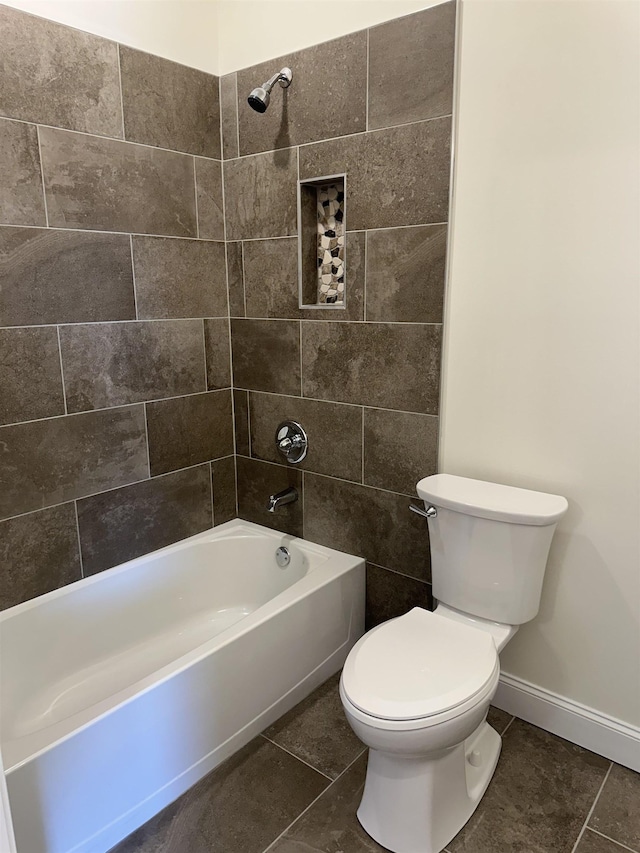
120, 691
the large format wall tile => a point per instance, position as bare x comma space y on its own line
395, 177
53, 461
229, 115
223, 480
266, 355
390, 366
271, 278
218, 353
108, 185
125, 523
256, 481
30, 380
109, 364
334, 432
169, 105
52, 74
38, 553
21, 196
188, 430
260, 195
411, 67
49, 276
405, 274
390, 594
179, 278
210, 204
366, 522
400, 448
326, 98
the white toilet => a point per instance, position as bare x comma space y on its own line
416, 690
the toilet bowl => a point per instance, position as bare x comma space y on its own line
416, 690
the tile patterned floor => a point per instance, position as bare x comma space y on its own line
296, 788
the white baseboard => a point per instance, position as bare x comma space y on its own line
570, 720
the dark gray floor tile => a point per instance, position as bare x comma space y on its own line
591, 842
405, 274
382, 192
317, 731
316, 105
539, 797
169, 105
256, 481
368, 523
390, 594
241, 410
179, 278
260, 194
266, 355
210, 204
21, 196
334, 432
52, 461
498, 719
110, 364
39, 553
30, 380
411, 67
271, 278
124, 523
52, 74
49, 276
223, 478
235, 276
218, 353
330, 825
229, 115
241, 807
391, 366
107, 185
187, 430
617, 812
400, 448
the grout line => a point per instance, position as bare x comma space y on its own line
146, 435
135, 292
113, 488
364, 283
195, 192
313, 802
326, 321
64, 390
107, 231
112, 322
612, 840
113, 408
249, 425
235, 468
366, 106
504, 731
44, 191
123, 138
402, 574
204, 355
362, 445
592, 809
75, 507
244, 288
300, 345
213, 517
297, 757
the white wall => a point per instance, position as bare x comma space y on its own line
541, 365
185, 31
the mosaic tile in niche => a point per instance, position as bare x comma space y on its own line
330, 250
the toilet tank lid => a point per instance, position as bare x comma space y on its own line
492, 500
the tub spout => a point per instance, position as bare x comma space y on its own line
288, 496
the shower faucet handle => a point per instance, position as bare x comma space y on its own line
291, 441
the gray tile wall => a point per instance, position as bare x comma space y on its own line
116, 418
365, 381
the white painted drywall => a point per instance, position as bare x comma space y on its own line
185, 31
541, 363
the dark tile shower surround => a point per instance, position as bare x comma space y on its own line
115, 375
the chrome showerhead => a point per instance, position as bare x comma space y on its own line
261, 95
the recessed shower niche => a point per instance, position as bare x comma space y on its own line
322, 229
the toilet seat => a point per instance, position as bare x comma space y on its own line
420, 669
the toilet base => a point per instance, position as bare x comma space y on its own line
418, 804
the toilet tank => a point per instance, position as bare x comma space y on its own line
489, 545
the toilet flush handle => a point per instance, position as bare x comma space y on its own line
429, 512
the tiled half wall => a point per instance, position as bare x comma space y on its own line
116, 433
117, 392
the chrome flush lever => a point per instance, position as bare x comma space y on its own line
429, 512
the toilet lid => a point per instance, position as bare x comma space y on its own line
418, 665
